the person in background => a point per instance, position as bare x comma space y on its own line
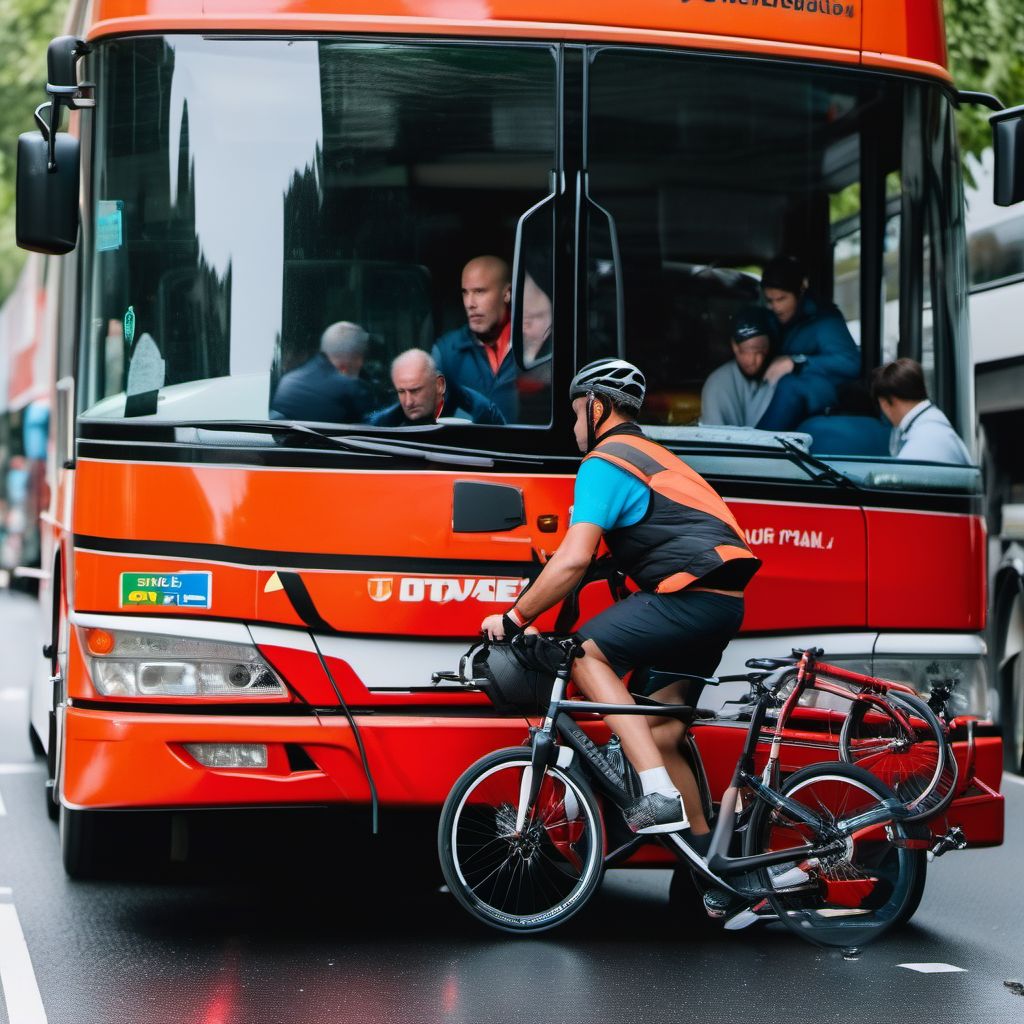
478, 355
424, 396
736, 394
327, 388
817, 351
920, 430
533, 384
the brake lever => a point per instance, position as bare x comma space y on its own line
447, 677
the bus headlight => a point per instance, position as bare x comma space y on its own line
124, 663
968, 677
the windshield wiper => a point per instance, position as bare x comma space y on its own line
826, 473
385, 446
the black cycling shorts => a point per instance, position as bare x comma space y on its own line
685, 631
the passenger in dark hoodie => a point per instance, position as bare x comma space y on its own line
817, 353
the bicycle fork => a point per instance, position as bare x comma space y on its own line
543, 755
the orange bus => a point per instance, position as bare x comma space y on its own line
247, 609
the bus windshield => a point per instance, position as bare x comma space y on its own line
253, 199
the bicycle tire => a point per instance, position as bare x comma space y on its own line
850, 899
919, 768
528, 883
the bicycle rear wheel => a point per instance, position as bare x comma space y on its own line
531, 881
848, 899
908, 751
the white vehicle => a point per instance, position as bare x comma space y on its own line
995, 243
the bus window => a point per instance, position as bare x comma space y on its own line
699, 173
250, 193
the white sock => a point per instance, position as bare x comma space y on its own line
657, 780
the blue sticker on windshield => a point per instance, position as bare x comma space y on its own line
109, 225
177, 589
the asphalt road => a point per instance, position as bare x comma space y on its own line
280, 919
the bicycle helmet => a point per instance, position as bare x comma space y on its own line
616, 379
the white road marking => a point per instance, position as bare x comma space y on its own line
12, 694
5, 890
3, 810
18, 980
1007, 777
933, 968
20, 768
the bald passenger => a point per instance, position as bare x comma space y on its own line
478, 355
424, 396
327, 388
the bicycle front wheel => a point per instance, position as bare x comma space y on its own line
849, 898
901, 742
527, 881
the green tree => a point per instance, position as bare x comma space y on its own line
986, 54
26, 26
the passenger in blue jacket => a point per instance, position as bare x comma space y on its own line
817, 353
424, 396
478, 354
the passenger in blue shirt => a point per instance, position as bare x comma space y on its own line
817, 351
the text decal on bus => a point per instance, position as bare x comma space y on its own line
175, 589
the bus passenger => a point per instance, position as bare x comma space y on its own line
672, 534
478, 355
533, 385
736, 394
920, 430
817, 350
327, 388
424, 396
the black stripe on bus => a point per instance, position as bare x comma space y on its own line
189, 550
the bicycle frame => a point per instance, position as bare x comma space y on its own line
718, 865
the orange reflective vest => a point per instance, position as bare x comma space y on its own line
687, 533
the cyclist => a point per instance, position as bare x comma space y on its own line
668, 531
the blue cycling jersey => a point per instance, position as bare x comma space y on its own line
608, 496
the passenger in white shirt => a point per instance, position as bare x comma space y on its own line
736, 394
920, 430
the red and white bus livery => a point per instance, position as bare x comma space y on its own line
225, 582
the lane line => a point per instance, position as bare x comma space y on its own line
18, 980
12, 694
1016, 779
20, 768
3, 810
934, 968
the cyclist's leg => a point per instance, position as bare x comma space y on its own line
600, 682
668, 735
660, 808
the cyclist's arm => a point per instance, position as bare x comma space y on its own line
563, 570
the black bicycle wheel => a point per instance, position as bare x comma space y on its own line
848, 899
908, 752
525, 882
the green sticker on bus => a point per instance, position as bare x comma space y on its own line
171, 589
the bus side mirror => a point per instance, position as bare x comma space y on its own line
47, 216
49, 162
1008, 141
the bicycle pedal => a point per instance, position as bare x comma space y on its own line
745, 918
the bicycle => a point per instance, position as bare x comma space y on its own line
887, 729
522, 835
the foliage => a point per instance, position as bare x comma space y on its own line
26, 26
986, 54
